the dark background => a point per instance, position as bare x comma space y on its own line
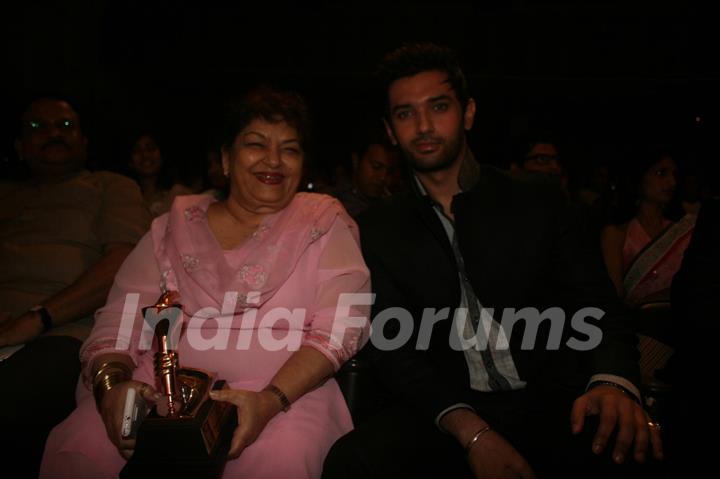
602, 75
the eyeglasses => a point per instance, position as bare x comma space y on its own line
41, 125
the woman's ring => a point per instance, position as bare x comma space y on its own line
653, 425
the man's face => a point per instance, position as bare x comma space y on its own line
374, 170
51, 140
427, 120
543, 157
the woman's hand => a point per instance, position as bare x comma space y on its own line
112, 408
254, 411
493, 457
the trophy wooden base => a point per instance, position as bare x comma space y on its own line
194, 446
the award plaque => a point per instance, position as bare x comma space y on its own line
186, 434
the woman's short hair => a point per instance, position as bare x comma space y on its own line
271, 105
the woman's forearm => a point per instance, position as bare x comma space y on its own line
306, 369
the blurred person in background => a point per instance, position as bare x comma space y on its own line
154, 174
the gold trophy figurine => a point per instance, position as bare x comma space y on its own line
186, 433
166, 360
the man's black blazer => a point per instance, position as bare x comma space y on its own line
520, 250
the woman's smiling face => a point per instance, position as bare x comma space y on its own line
265, 165
146, 158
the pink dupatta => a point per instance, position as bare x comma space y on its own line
192, 262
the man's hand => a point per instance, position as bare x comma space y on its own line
20, 330
616, 409
493, 457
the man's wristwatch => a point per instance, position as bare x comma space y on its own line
44, 317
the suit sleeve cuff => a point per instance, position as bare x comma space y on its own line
459, 405
620, 381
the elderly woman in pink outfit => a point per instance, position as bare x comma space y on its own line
262, 274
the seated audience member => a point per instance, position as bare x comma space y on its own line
375, 167
451, 260
216, 183
64, 232
596, 185
152, 172
595, 196
542, 156
643, 254
279, 250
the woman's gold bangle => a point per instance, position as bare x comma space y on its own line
109, 375
110, 365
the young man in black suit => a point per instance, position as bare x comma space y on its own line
466, 250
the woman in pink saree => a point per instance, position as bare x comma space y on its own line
260, 276
643, 255
650, 264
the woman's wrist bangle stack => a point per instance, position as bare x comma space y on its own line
475, 438
109, 375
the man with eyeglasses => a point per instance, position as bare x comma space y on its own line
64, 232
543, 157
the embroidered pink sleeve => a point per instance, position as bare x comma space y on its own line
119, 324
340, 321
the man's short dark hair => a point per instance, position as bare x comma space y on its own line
413, 58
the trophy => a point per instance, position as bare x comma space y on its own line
186, 433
